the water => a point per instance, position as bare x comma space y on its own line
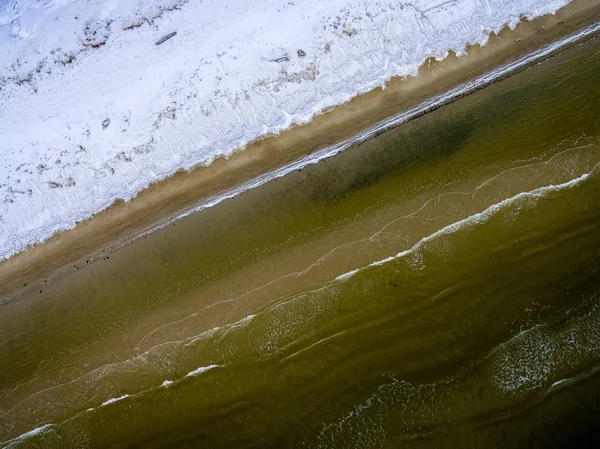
437, 286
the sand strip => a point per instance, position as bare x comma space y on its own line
122, 222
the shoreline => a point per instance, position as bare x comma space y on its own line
120, 125
167, 304
181, 194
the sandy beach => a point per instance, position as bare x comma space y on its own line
123, 222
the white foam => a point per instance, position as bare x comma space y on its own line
113, 400
166, 383
26, 435
346, 276
560, 382
201, 95
468, 221
201, 370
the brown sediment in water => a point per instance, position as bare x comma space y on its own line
94, 238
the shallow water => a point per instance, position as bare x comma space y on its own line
437, 286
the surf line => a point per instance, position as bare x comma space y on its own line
436, 102
477, 218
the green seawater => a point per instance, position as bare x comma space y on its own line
436, 286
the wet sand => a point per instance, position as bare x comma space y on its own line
95, 238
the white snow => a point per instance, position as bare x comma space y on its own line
66, 67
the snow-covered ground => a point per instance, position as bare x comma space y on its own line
92, 110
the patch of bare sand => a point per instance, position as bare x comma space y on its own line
122, 222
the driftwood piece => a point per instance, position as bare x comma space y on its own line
166, 38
